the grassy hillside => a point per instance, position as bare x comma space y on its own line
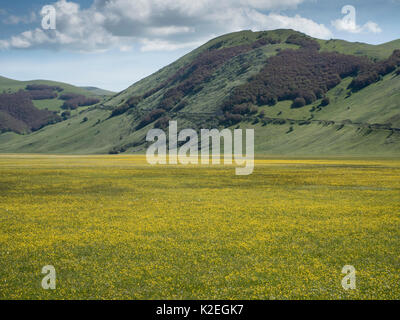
379, 52
289, 132
18, 114
98, 91
42, 102
355, 122
11, 86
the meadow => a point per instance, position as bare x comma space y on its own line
115, 227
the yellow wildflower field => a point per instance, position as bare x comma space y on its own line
115, 227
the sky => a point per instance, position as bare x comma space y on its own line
111, 44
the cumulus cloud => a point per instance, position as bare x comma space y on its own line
163, 45
158, 24
372, 27
352, 27
298, 23
26, 19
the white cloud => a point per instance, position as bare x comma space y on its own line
169, 30
352, 27
272, 4
298, 23
124, 48
372, 27
163, 45
158, 24
12, 19
346, 25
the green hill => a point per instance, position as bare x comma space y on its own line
98, 91
303, 96
12, 86
27, 106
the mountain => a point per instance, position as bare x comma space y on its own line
304, 97
98, 91
27, 106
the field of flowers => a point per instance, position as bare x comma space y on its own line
116, 228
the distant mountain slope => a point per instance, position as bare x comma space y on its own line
42, 101
98, 91
18, 114
379, 52
303, 96
10, 85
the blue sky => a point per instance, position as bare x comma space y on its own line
113, 43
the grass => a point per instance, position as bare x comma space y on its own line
12, 86
49, 104
115, 227
379, 52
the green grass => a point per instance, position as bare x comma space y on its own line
380, 52
10, 85
50, 104
378, 103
